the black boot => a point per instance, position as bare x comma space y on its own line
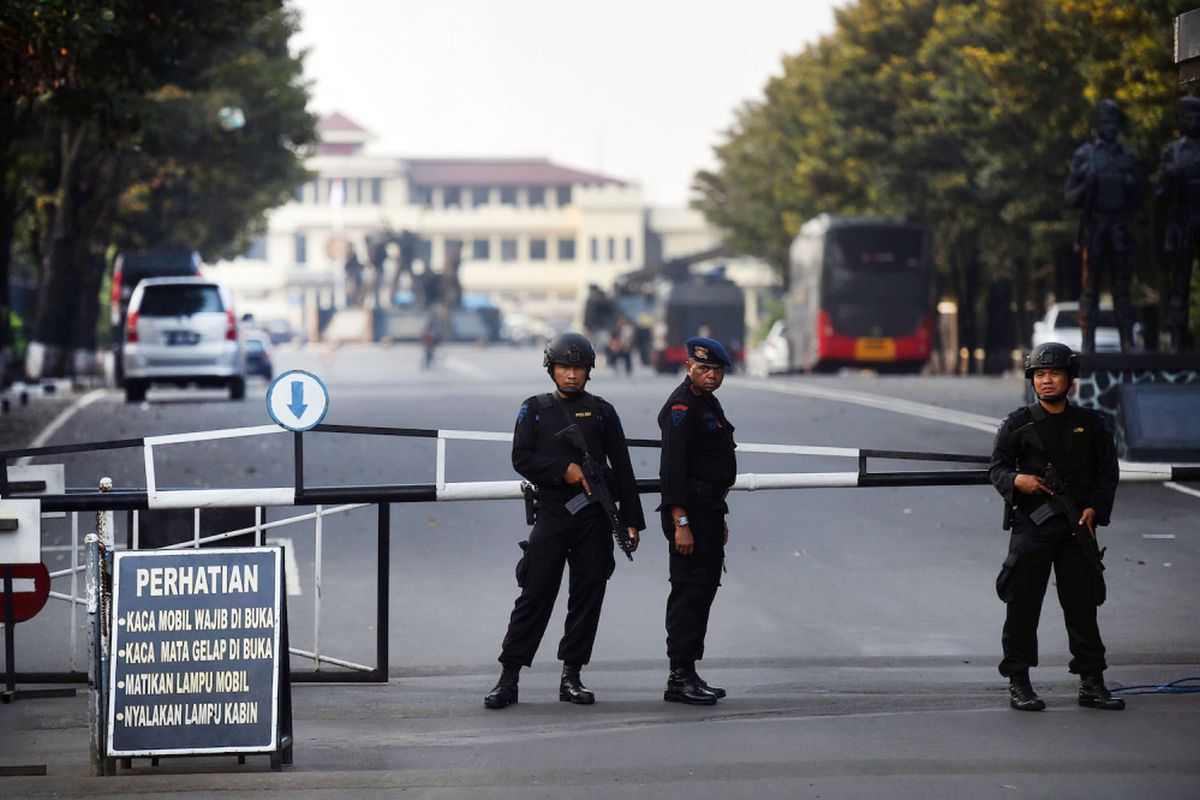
571, 688
1094, 694
714, 690
683, 686
505, 691
1021, 695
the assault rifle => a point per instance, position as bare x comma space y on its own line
594, 473
1061, 502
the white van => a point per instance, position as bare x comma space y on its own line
182, 331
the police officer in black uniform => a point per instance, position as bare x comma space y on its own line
1177, 205
1077, 442
698, 466
582, 540
1106, 184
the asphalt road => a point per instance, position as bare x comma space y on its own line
857, 629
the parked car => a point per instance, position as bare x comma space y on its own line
259, 359
280, 331
131, 269
1061, 324
182, 331
771, 354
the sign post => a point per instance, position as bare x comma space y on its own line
199, 655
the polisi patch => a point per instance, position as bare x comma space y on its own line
678, 412
522, 411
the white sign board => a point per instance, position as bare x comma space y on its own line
20, 532
52, 475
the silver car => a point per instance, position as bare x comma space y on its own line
182, 331
1061, 324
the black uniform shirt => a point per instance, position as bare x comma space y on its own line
542, 459
1076, 441
697, 444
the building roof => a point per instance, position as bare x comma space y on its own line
500, 172
338, 121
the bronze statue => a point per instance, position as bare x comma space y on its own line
1177, 203
1105, 183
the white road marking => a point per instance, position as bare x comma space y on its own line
1158, 536
460, 367
912, 409
61, 420
1180, 488
290, 567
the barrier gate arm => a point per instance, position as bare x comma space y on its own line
155, 497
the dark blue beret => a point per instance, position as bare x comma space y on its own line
707, 351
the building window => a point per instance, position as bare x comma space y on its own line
508, 249
566, 249
256, 249
316, 186
564, 196
298, 193
537, 196
595, 249
301, 242
537, 249
629, 248
451, 197
419, 195
426, 251
480, 195
612, 248
481, 249
358, 192
453, 250
508, 195
376, 191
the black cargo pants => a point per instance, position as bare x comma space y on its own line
694, 578
558, 539
1022, 583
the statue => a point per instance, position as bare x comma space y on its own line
1177, 203
1106, 185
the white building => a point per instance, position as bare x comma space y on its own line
533, 234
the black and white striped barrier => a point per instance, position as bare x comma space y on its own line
441, 490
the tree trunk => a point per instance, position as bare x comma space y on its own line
969, 267
58, 285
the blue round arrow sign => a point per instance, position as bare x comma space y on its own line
297, 400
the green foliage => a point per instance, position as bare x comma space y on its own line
961, 113
112, 131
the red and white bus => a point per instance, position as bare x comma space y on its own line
861, 294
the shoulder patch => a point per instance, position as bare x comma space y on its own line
522, 411
678, 412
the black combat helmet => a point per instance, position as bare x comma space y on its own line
572, 349
1052, 355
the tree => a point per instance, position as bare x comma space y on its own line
122, 88
960, 113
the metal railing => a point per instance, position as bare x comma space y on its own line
347, 498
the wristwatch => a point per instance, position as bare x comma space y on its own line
682, 521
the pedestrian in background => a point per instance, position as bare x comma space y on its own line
697, 468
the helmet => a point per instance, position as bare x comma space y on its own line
569, 348
1052, 355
